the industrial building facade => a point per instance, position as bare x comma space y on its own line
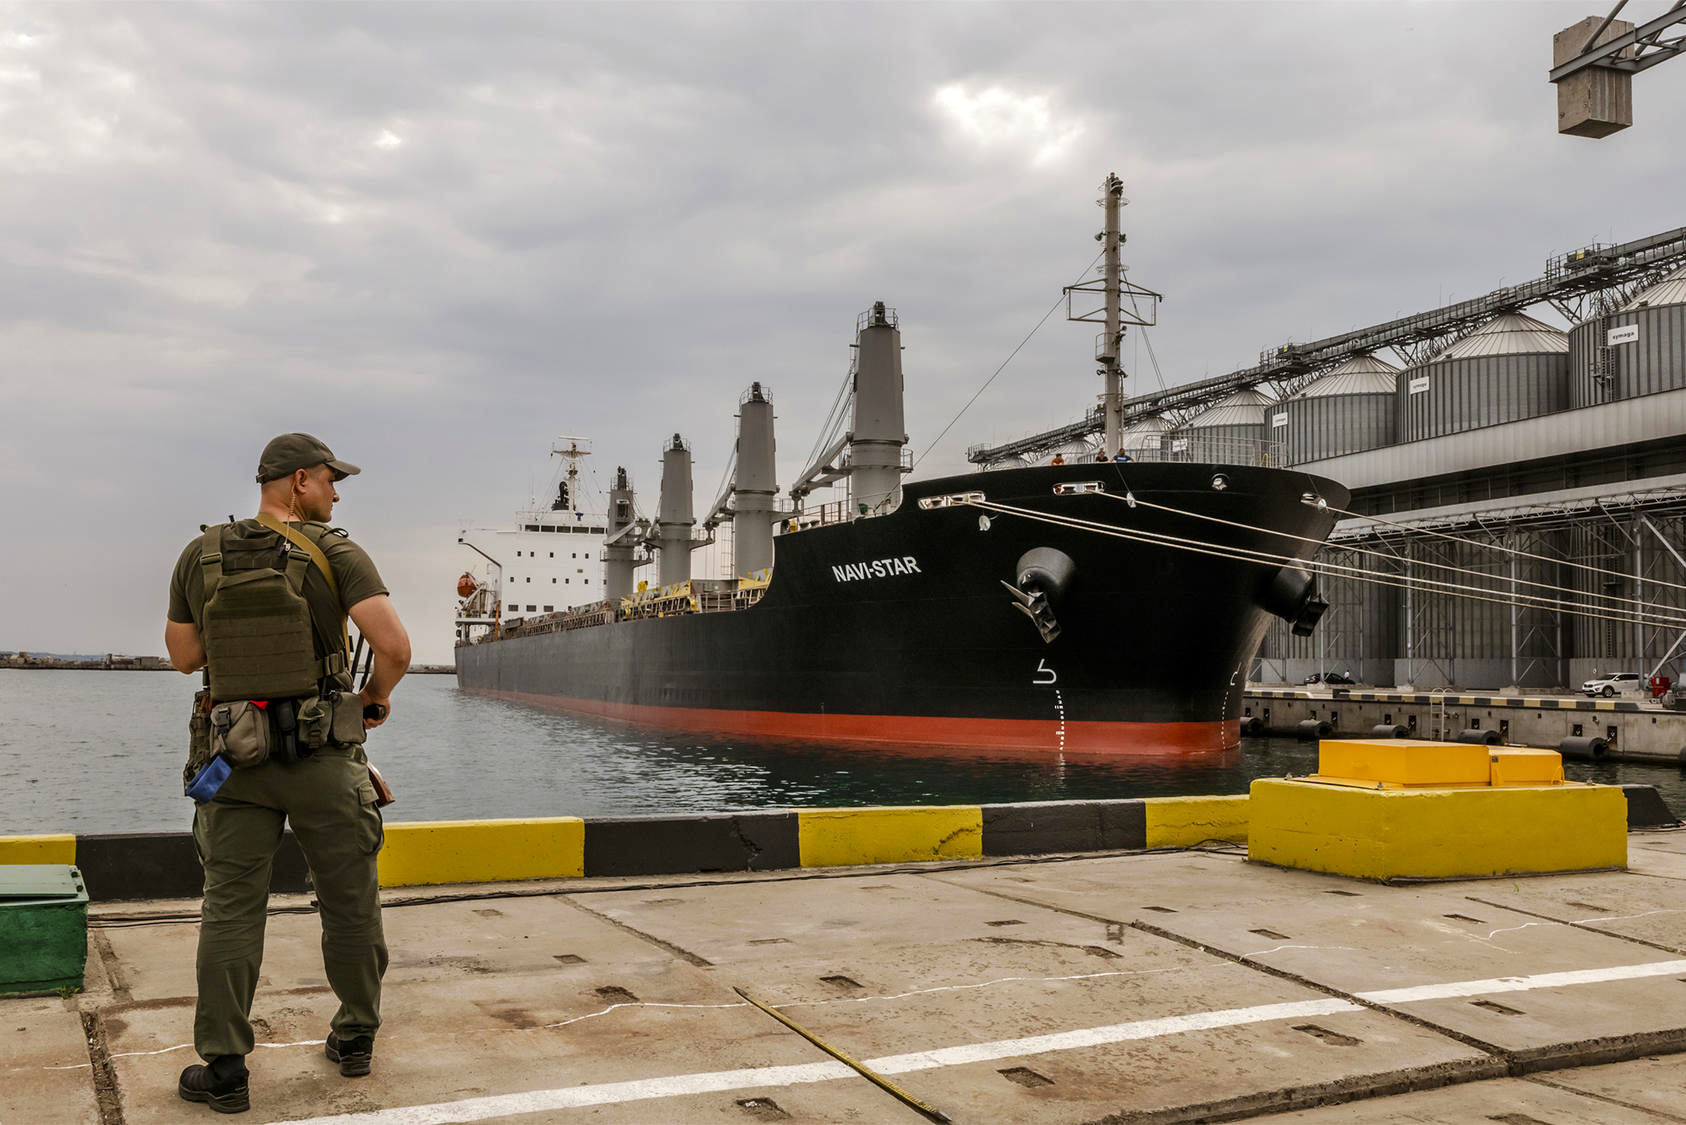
1519, 492
1534, 494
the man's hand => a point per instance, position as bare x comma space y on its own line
382, 708
378, 622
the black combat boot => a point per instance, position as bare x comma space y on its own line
355, 1056
221, 1085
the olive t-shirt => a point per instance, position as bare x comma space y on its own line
353, 570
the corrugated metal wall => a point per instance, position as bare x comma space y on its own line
1655, 362
1465, 394
1331, 425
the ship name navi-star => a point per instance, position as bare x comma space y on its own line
877, 568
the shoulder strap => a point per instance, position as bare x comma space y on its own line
210, 559
304, 543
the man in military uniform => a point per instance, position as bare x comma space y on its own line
326, 792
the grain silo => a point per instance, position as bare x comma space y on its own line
1233, 432
1510, 368
1348, 410
1146, 439
1639, 349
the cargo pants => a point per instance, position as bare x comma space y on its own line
330, 803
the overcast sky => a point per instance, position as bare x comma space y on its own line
438, 236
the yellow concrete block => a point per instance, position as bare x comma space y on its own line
1402, 761
1437, 833
1182, 822
482, 851
38, 849
846, 837
1524, 765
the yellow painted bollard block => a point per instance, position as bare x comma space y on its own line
1437, 833
1392, 762
482, 851
1183, 822
1524, 765
56, 849
847, 837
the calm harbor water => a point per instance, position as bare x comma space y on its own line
102, 752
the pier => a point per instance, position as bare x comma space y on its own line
1620, 730
1181, 983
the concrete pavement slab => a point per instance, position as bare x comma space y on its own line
44, 1070
902, 964
1657, 1084
1661, 840
1644, 909
750, 921
1360, 938
518, 934
472, 1035
1509, 1101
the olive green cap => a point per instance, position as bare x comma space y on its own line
291, 452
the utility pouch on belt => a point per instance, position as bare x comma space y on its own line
240, 733
348, 718
198, 737
316, 721
207, 781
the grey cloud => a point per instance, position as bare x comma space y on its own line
608, 219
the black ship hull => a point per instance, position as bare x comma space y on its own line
899, 630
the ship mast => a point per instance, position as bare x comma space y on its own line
1111, 370
572, 455
1112, 288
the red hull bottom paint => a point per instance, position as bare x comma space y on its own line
1110, 740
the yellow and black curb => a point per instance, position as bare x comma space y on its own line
154, 865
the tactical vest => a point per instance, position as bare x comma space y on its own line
261, 640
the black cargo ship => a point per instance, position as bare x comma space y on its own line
1111, 605
899, 629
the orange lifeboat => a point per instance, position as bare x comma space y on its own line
466, 585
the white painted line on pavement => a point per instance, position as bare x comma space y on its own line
1453, 989
611, 1093
537, 1101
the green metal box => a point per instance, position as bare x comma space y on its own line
43, 928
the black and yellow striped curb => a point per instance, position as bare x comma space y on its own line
1531, 702
159, 865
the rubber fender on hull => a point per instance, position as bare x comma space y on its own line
1387, 730
1583, 749
1478, 737
1291, 594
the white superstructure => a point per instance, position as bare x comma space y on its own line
548, 560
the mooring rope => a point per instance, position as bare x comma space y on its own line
1268, 558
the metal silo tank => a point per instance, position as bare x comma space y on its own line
1649, 353
1145, 439
1348, 410
1232, 432
1510, 368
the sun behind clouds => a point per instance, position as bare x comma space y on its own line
999, 119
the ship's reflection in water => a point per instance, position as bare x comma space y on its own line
534, 762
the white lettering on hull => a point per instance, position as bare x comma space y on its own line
875, 568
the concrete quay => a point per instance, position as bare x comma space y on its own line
1628, 730
1177, 985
